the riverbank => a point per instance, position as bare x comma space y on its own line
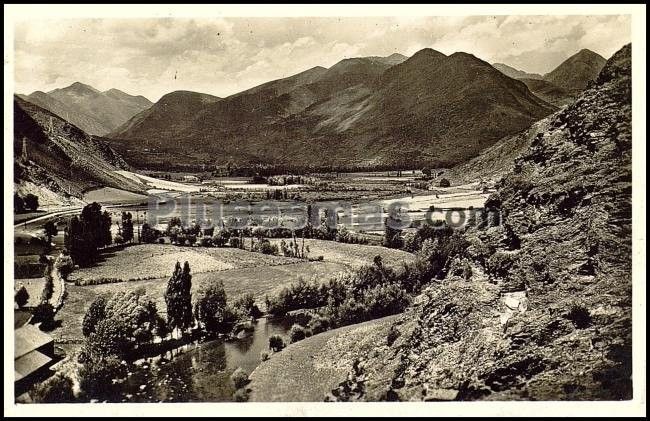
306, 371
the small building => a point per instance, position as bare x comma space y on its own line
33, 356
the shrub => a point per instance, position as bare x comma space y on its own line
392, 336
21, 297
319, 324
44, 314
161, 241
206, 242
444, 183
64, 265
240, 395
579, 316
296, 333
96, 376
234, 242
264, 355
246, 304
56, 389
265, 247
276, 343
239, 378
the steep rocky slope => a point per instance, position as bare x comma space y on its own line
56, 155
546, 311
95, 112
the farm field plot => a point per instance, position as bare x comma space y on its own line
108, 195
147, 261
259, 281
354, 255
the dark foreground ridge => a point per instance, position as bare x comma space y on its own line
546, 312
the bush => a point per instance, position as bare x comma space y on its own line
56, 389
264, 355
239, 378
319, 324
44, 314
444, 183
234, 242
296, 333
246, 305
64, 265
206, 242
240, 395
579, 316
265, 247
96, 376
161, 241
21, 297
276, 343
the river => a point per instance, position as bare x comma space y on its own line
198, 372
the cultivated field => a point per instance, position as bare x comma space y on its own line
353, 255
148, 261
240, 271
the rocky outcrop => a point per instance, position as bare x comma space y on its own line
546, 314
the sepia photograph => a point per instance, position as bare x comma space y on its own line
275, 210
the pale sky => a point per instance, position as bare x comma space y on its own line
225, 56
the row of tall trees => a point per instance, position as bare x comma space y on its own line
87, 233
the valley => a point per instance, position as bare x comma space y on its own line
389, 228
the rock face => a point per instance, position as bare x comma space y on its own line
54, 154
546, 314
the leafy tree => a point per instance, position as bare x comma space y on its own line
106, 237
95, 313
178, 298
56, 389
19, 203
239, 378
31, 202
392, 235
96, 377
148, 234
127, 226
211, 309
50, 230
21, 297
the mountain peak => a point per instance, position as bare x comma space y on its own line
78, 86
428, 52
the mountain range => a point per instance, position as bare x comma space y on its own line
563, 84
95, 112
429, 109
